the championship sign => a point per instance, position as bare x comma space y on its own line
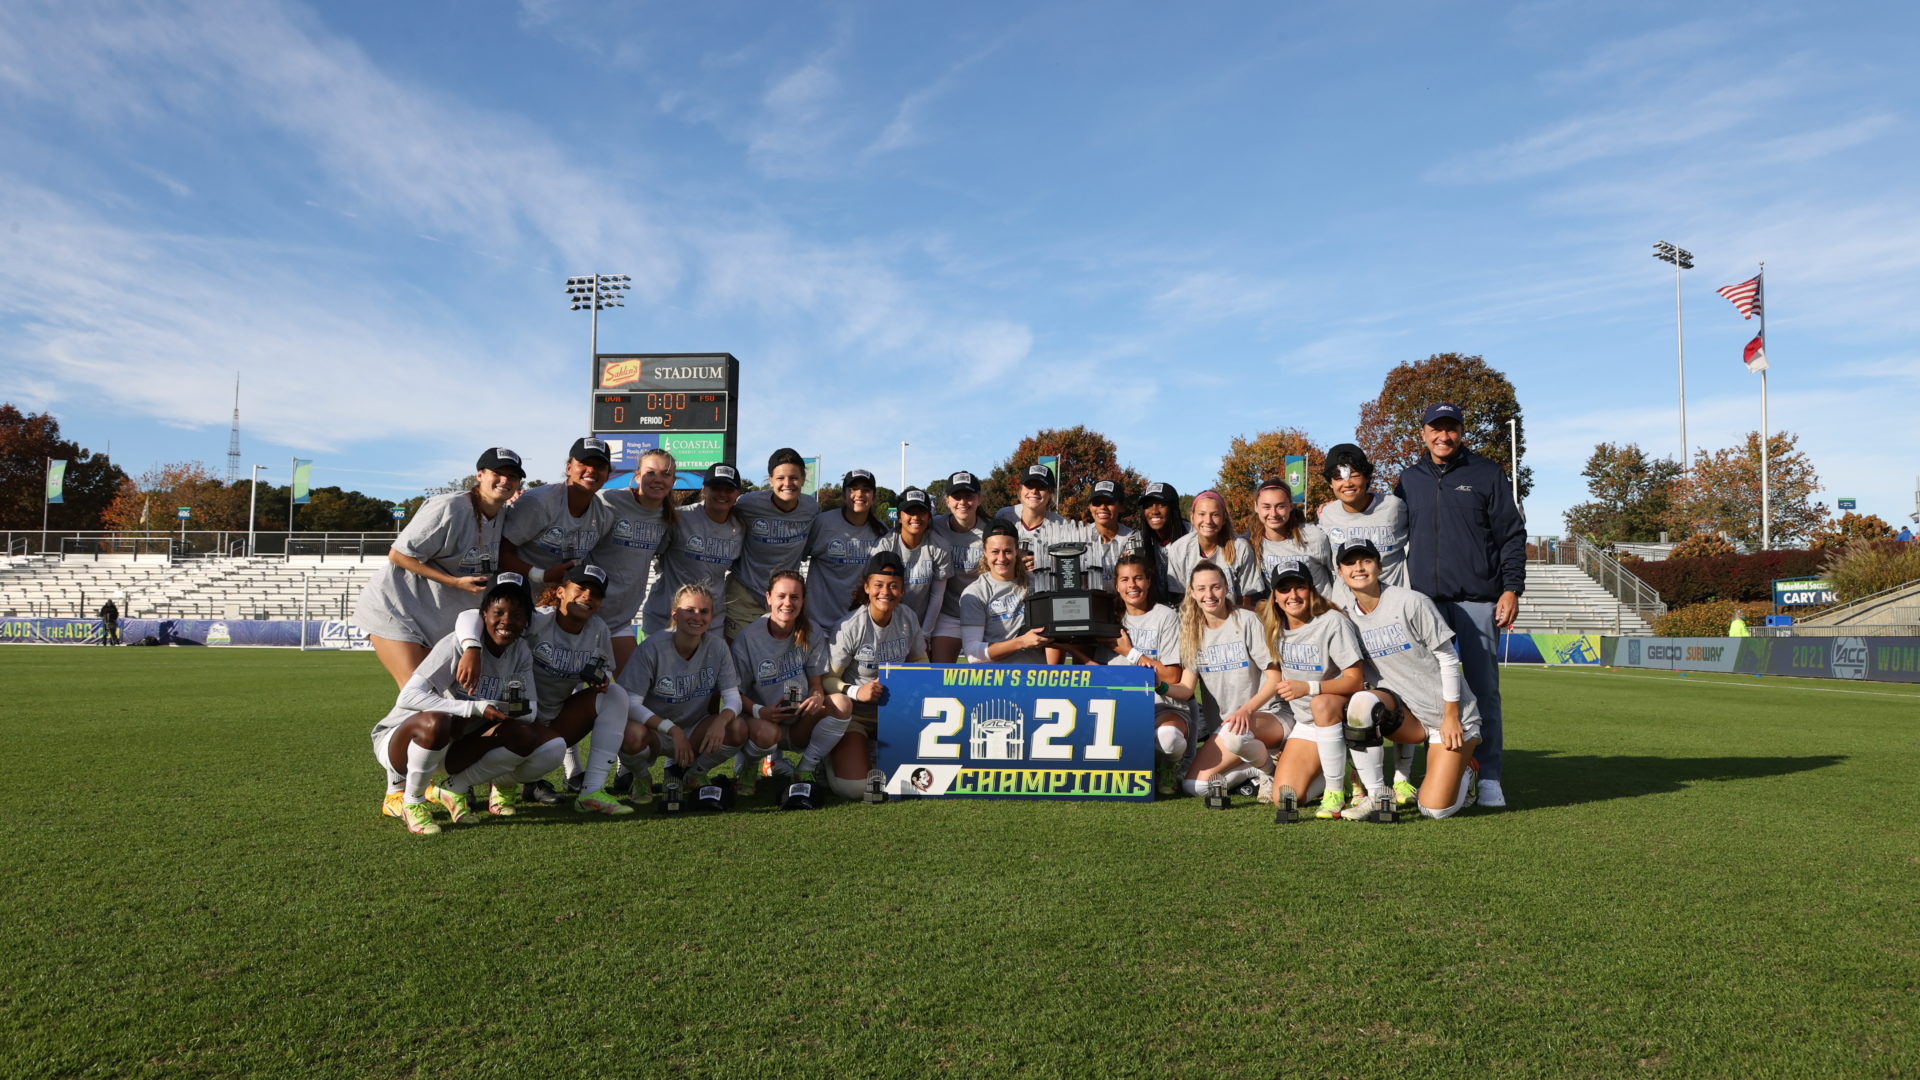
1015, 732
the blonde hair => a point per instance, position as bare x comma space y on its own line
1193, 621
692, 588
799, 627
1275, 620
666, 504
1225, 549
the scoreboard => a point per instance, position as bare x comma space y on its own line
684, 403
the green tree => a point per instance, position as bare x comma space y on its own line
27, 441
1085, 457
1249, 461
148, 503
1722, 493
1632, 494
1389, 428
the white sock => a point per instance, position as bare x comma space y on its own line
422, 763
545, 758
1403, 764
571, 759
495, 762
1173, 742
609, 728
826, 735
396, 781
1372, 766
1467, 778
706, 762
1333, 762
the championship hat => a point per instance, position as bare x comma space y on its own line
1343, 459
1357, 549
591, 448
589, 575
1105, 491
914, 500
963, 481
1289, 570
722, 474
501, 460
1037, 476
1160, 493
857, 477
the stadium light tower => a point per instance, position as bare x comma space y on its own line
1682, 259
595, 293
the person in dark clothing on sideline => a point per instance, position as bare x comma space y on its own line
109, 623
1467, 550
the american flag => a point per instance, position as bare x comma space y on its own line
1745, 296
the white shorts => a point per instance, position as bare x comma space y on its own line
380, 740
1310, 732
945, 625
1469, 725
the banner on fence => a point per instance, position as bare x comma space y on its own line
1881, 659
992, 732
318, 634
1550, 648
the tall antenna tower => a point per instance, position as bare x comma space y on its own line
233, 440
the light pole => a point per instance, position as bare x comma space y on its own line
1513, 444
253, 503
1681, 259
903, 466
595, 292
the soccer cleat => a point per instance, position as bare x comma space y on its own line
599, 802
1263, 785
1247, 789
746, 778
505, 800
541, 792
622, 782
1330, 806
1404, 793
574, 782
391, 805
458, 809
419, 819
1166, 777
1491, 796
1361, 808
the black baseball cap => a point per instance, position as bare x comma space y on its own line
509, 585
1289, 570
1345, 456
1037, 476
963, 481
885, 563
786, 455
1000, 527
1105, 491
722, 473
1442, 410
501, 460
1355, 549
913, 499
590, 448
589, 575
857, 476
1160, 493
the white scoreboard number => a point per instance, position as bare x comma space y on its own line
1059, 716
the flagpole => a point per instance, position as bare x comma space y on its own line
44, 505
1766, 518
287, 548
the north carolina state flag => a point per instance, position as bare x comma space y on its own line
1756, 355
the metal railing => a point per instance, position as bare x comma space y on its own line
164, 545
1870, 598
1633, 593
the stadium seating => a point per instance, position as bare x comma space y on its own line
211, 588
1563, 599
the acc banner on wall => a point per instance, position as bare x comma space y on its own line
990, 732
1550, 648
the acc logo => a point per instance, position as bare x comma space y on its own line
543, 652
998, 731
761, 527
471, 558
666, 684
620, 373
1849, 658
623, 529
696, 542
864, 654
837, 547
766, 668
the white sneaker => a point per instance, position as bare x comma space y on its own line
1491, 795
1361, 808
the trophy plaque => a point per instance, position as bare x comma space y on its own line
1072, 612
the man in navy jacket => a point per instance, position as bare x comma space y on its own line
1467, 550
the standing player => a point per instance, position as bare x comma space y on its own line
1037, 526
1359, 513
701, 549
880, 630
993, 610
640, 518
961, 532
1418, 694
1224, 648
1280, 532
777, 521
1106, 538
837, 548
474, 732
782, 666
1212, 540
929, 567
1161, 524
1150, 636
672, 679
1321, 666
438, 566
551, 527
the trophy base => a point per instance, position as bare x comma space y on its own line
1079, 616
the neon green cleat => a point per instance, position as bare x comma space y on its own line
458, 809
1404, 793
1166, 777
505, 801
419, 819
599, 802
746, 778
1330, 806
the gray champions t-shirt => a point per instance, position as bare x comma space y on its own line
635, 535
559, 657
676, 687
1316, 652
1312, 548
927, 565
775, 539
1156, 634
992, 611
1400, 636
836, 554
546, 532
432, 687
1243, 574
1384, 523
448, 534
964, 548
1232, 661
860, 646
699, 551
769, 665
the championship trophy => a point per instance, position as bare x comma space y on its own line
1072, 612
515, 704
1217, 797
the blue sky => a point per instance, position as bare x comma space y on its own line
953, 224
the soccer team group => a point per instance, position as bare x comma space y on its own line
599, 629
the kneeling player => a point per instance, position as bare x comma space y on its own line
1224, 648
670, 682
1321, 665
1418, 693
1150, 634
879, 630
782, 665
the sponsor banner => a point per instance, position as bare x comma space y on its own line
663, 372
1550, 648
283, 633
1012, 732
1868, 659
1802, 592
302, 482
623, 451
57, 482
1297, 476
1677, 654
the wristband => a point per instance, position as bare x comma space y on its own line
536, 573
1160, 688
1133, 656
1313, 687
666, 727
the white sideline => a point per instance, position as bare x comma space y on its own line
1768, 682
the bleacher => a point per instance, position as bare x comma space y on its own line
263, 587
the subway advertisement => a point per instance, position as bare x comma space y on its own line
1870, 659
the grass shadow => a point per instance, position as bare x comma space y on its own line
1537, 779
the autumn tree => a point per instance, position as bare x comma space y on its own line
1085, 457
1848, 528
1249, 461
1632, 493
149, 502
1389, 428
1722, 493
27, 441
1704, 545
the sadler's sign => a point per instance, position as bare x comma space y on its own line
664, 372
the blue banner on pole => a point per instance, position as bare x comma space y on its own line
302, 481
57, 482
986, 731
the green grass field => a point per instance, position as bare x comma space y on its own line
1700, 877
